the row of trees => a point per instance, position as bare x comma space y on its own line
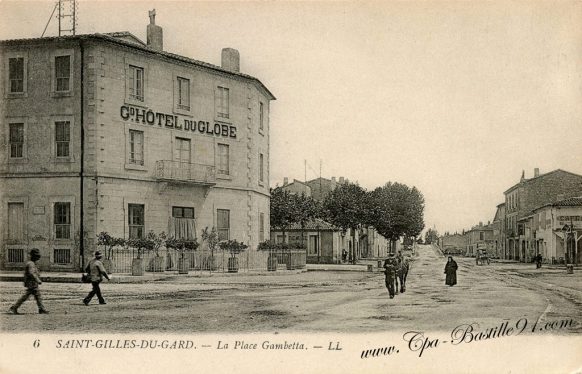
394, 210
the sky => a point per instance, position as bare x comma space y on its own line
455, 98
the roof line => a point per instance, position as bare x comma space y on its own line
539, 176
145, 48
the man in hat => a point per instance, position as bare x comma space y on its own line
31, 282
97, 271
390, 273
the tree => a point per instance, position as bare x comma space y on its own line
288, 209
282, 213
347, 207
305, 209
396, 210
210, 236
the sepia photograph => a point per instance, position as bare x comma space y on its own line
294, 187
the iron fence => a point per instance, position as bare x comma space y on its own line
119, 260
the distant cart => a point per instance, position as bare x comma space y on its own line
482, 257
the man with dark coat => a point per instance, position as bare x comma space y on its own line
97, 271
451, 272
31, 282
390, 274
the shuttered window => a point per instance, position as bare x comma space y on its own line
223, 224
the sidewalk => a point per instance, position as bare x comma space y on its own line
75, 277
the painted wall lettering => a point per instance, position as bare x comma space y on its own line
149, 117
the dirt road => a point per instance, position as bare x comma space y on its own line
311, 302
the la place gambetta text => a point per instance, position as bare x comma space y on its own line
266, 345
149, 117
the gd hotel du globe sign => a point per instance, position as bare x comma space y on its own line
149, 117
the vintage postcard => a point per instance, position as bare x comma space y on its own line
291, 187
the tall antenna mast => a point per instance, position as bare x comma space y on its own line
67, 17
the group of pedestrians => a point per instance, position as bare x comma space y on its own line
32, 281
394, 268
393, 265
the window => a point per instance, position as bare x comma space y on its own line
183, 93
62, 256
136, 83
182, 212
15, 254
261, 116
136, 220
261, 168
223, 159
16, 140
62, 138
62, 73
182, 151
183, 223
136, 147
261, 227
62, 220
16, 222
481, 235
16, 74
221, 102
223, 224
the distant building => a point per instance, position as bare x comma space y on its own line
296, 187
529, 194
480, 237
499, 231
320, 187
555, 231
325, 242
453, 244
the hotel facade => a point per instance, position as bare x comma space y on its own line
104, 132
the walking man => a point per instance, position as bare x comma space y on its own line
390, 273
31, 282
97, 271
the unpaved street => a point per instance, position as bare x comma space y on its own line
319, 301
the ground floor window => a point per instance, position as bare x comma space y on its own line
15, 255
62, 220
136, 220
16, 222
313, 245
223, 224
62, 256
182, 223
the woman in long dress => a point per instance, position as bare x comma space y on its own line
451, 272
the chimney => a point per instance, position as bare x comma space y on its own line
480, 224
285, 181
341, 181
155, 37
536, 172
230, 59
333, 183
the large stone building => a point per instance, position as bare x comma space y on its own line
104, 132
528, 194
